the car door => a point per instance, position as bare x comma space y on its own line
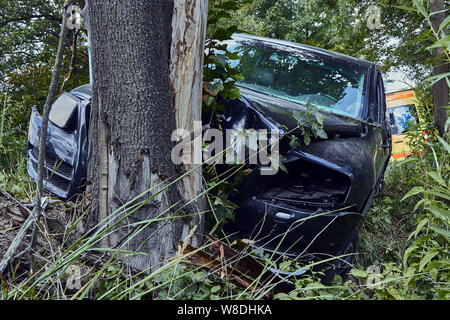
385, 127
380, 129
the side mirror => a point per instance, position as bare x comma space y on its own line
391, 118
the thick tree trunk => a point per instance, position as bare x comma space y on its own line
144, 85
440, 88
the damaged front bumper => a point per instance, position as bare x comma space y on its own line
65, 156
303, 213
300, 233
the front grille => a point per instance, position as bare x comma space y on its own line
305, 185
53, 179
55, 164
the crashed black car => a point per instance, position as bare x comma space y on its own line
312, 211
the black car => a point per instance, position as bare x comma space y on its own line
312, 211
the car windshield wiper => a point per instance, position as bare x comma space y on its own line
256, 90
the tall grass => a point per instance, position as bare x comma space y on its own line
50, 280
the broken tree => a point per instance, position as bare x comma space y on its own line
147, 74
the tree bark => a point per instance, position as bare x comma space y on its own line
440, 88
146, 81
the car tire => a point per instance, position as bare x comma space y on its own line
344, 265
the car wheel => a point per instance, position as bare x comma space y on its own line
346, 265
343, 266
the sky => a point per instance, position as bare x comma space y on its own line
396, 81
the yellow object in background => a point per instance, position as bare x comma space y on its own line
400, 114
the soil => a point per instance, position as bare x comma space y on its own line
54, 234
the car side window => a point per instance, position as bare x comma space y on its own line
381, 98
379, 102
374, 112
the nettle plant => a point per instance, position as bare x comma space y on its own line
219, 76
424, 271
219, 79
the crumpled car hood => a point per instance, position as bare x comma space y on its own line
280, 111
345, 151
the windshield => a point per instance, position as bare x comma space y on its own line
400, 117
302, 76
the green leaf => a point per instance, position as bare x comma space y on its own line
223, 14
228, 5
419, 228
394, 293
232, 55
444, 143
442, 232
442, 43
321, 134
419, 5
407, 253
437, 177
222, 34
414, 191
427, 258
418, 204
424, 36
438, 12
432, 80
283, 167
232, 93
294, 143
208, 100
215, 289
307, 138
358, 273
439, 212
444, 23
439, 194
406, 8
447, 123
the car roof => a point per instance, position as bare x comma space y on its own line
84, 92
242, 36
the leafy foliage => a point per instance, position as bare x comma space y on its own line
29, 32
342, 26
310, 123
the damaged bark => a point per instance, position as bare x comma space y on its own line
186, 65
146, 81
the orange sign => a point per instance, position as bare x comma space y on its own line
399, 95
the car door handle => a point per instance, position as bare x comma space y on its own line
283, 217
398, 141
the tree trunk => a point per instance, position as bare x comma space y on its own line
147, 71
440, 88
